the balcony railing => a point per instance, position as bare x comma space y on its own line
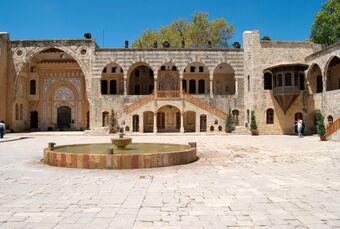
286, 90
175, 94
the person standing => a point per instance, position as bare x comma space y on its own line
299, 128
2, 129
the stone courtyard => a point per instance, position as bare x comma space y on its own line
239, 181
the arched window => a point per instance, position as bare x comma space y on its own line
113, 87
267, 81
270, 116
32, 87
104, 87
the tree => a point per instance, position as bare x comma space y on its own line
236, 45
266, 38
320, 123
195, 34
253, 125
326, 26
229, 123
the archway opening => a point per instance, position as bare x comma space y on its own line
196, 79
50, 79
315, 79
224, 80
141, 80
112, 80
168, 119
333, 74
168, 77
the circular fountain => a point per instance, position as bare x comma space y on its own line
121, 154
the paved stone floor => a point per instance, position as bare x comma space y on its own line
238, 182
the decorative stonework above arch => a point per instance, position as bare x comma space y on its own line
63, 94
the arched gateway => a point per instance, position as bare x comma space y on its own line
50, 89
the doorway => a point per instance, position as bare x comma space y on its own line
34, 119
64, 117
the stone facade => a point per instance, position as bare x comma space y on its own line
74, 84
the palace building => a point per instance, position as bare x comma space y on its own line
74, 85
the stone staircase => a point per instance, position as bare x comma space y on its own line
161, 95
333, 132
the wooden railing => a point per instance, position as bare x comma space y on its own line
169, 94
205, 106
331, 129
137, 104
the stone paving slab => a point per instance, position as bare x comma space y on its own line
239, 181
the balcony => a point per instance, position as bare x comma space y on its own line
286, 90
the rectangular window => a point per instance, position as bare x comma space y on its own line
201, 69
32, 87
288, 79
192, 69
113, 70
162, 68
174, 68
279, 81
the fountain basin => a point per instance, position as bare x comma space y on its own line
136, 155
121, 142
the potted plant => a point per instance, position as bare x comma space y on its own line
229, 123
113, 124
253, 125
320, 125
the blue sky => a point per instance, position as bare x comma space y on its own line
288, 20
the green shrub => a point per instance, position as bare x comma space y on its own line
320, 124
253, 125
229, 122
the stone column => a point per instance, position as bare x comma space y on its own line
155, 86
155, 122
236, 87
182, 123
180, 82
125, 84
324, 89
141, 123
211, 78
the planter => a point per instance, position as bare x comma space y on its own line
112, 131
254, 132
323, 138
227, 130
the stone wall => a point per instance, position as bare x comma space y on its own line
128, 59
259, 55
4, 37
